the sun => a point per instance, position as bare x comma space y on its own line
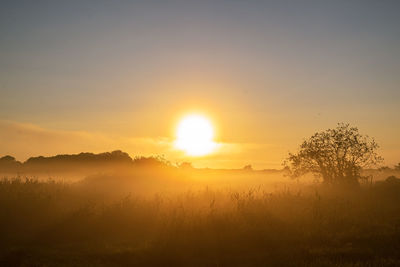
195, 135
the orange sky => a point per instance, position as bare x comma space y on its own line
98, 77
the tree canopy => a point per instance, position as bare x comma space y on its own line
336, 155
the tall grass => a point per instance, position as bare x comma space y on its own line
51, 223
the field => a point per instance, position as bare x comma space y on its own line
109, 221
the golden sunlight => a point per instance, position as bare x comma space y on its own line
195, 135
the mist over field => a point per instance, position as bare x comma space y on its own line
111, 210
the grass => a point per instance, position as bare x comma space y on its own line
48, 223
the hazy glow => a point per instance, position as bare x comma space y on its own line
267, 73
195, 136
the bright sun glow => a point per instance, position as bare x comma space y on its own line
195, 136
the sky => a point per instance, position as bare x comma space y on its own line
104, 75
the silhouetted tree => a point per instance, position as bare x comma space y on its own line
185, 165
152, 161
384, 168
7, 159
9, 163
337, 155
248, 168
